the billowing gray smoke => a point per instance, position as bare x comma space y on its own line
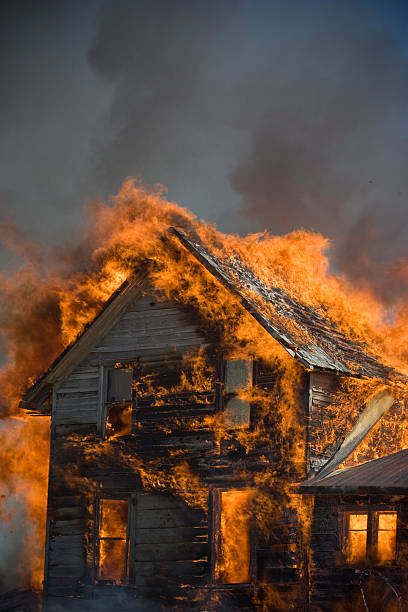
254, 113
301, 105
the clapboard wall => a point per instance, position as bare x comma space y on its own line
152, 331
172, 556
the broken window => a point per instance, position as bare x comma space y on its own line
370, 537
113, 540
238, 377
232, 536
116, 401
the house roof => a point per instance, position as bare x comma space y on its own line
388, 474
314, 340
318, 344
74, 352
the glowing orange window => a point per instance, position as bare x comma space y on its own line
370, 536
357, 537
233, 553
113, 541
386, 537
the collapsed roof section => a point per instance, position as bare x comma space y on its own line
314, 341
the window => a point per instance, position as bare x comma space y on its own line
115, 401
113, 540
357, 538
386, 537
370, 536
232, 536
238, 376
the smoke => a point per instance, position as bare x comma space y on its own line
163, 123
254, 114
12, 538
23, 479
300, 106
329, 151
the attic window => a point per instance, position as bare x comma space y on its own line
238, 377
232, 536
112, 541
370, 537
116, 396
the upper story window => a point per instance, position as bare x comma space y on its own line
112, 545
232, 536
238, 376
115, 401
370, 536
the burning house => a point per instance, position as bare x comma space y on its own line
227, 448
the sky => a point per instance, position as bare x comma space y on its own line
254, 114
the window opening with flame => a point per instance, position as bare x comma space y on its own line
115, 401
113, 540
238, 377
370, 537
386, 531
232, 536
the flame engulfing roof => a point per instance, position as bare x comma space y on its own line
309, 337
388, 474
306, 335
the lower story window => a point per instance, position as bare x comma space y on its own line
370, 536
113, 540
386, 536
232, 538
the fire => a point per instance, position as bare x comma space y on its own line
234, 560
50, 299
112, 540
357, 529
386, 536
23, 483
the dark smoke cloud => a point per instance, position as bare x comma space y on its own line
164, 123
305, 103
330, 151
254, 113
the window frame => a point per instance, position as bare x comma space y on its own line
372, 511
128, 569
215, 508
224, 397
103, 404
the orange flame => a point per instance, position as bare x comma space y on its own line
47, 302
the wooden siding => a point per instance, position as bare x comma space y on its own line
148, 331
170, 553
321, 390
